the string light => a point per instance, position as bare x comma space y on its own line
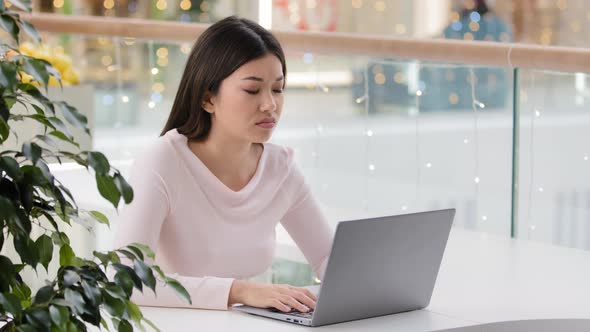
161, 4
106, 60
418, 93
541, 189
380, 6
185, 5
108, 4
125, 99
151, 104
428, 165
404, 208
155, 71
360, 99
371, 167
537, 113
58, 3
466, 140
585, 158
476, 180
162, 52
484, 218
129, 41
369, 133
185, 48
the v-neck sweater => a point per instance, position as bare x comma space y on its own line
207, 235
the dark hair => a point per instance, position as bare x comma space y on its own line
218, 52
480, 7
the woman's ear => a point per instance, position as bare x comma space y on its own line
207, 103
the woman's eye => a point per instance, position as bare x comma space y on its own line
255, 92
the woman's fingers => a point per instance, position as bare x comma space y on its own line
309, 299
275, 303
293, 303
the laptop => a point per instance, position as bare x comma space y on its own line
377, 266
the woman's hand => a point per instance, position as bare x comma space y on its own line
281, 297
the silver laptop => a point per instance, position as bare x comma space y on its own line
377, 267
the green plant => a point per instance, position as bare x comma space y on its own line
31, 198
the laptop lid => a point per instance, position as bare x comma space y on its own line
381, 266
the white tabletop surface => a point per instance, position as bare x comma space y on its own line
483, 279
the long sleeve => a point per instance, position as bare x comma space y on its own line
142, 221
308, 226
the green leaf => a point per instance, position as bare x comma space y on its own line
38, 317
180, 290
8, 78
70, 278
9, 25
11, 167
115, 291
32, 151
108, 189
22, 4
45, 171
31, 31
146, 274
136, 280
99, 162
123, 280
75, 301
92, 293
113, 306
4, 109
99, 217
10, 303
27, 250
134, 312
22, 291
47, 140
59, 315
73, 116
44, 294
4, 130
66, 255
45, 246
60, 238
152, 325
125, 326
144, 248
37, 69
64, 137
124, 188
135, 251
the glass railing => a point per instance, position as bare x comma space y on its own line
376, 136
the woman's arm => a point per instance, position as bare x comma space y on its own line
308, 226
141, 221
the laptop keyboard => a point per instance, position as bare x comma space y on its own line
295, 313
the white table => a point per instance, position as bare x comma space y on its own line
486, 283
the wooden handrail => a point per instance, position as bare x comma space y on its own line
568, 59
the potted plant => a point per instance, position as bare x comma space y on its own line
82, 291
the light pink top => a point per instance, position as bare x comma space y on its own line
204, 233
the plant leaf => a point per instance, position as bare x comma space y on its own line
11, 167
11, 304
144, 248
32, 151
146, 274
73, 116
98, 162
37, 69
22, 4
44, 294
8, 76
31, 31
180, 290
59, 315
66, 255
124, 326
108, 189
99, 217
7, 23
124, 188
45, 247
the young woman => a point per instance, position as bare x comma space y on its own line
210, 192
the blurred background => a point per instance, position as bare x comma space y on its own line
374, 136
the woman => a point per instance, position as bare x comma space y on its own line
210, 192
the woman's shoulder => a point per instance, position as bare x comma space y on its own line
279, 155
159, 154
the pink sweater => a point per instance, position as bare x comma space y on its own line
205, 234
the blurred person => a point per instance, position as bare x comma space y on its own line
450, 88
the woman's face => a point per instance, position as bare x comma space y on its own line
249, 102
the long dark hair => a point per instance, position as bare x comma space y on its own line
218, 52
